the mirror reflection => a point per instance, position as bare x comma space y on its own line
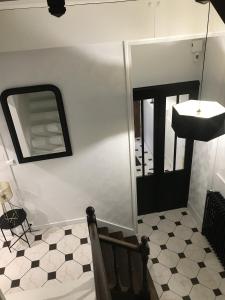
37, 123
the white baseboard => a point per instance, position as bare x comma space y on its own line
115, 227
59, 223
112, 226
197, 217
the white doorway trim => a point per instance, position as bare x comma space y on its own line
130, 113
130, 118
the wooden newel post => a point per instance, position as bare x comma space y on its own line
145, 251
91, 218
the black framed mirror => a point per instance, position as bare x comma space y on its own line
36, 121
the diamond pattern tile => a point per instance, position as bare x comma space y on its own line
56, 255
182, 264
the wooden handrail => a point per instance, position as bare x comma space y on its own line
120, 243
101, 284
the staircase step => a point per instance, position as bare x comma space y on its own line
108, 258
103, 231
136, 265
117, 235
132, 239
124, 296
121, 263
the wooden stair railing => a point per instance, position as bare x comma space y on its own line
141, 249
101, 286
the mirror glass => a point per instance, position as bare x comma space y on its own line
37, 124
34, 122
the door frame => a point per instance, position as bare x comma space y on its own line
130, 112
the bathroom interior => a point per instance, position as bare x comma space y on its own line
86, 119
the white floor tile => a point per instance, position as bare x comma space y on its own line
169, 295
53, 235
176, 245
18, 267
188, 268
71, 270
5, 283
201, 292
168, 258
83, 254
180, 285
51, 261
34, 278
209, 278
159, 237
37, 250
160, 274
212, 262
183, 232
195, 253
68, 244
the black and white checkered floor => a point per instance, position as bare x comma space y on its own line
148, 159
56, 255
182, 264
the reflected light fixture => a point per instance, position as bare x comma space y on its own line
198, 119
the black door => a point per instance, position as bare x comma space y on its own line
165, 184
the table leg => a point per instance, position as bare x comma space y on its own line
28, 225
25, 235
6, 240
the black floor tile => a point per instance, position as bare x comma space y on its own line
201, 264
194, 281
51, 275
38, 237
35, 264
86, 268
15, 283
52, 247
217, 292
68, 231
174, 270
20, 253
83, 241
165, 287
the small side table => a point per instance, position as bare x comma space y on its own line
12, 219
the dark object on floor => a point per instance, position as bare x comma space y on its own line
214, 223
11, 220
56, 7
137, 162
120, 264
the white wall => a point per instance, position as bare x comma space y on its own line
165, 62
91, 79
35, 28
208, 159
